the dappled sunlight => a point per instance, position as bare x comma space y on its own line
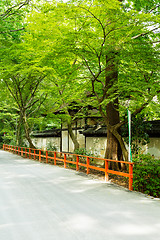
128, 214
75, 206
81, 222
134, 229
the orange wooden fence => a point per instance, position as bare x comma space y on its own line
75, 159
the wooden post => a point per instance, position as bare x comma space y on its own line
29, 153
39, 155
106, 171
87, 165
46, 156
131, 176
26, 152
34, 154
22, 151
77, 161
54, 158
65, 160
18, 150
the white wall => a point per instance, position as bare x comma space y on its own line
42, 143
153, 147
64, 141
81, 139
96, 145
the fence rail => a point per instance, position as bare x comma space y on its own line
75, 159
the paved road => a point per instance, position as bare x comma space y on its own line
44, 202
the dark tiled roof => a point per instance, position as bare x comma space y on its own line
95, 132
154, 131
48, 133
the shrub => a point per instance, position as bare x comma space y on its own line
83, 151
146, 175
51, 147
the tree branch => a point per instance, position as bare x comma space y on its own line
18, 6
154, 8
143, 34
13, 30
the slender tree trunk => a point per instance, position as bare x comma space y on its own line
19, 139
73, 137
27, 133
71, 133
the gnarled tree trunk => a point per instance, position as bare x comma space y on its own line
113, 148
115, 145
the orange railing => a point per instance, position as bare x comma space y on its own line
75, 159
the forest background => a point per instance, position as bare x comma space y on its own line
78, 55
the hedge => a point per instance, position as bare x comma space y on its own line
146, 175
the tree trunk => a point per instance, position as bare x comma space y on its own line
19, 140
113, 148
115, 145
27, 133
73, 137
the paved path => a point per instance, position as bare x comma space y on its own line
44, 202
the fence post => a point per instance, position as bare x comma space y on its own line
39, 155
77, 161
18, 150
46, 156
64, 160
22, 151
131, 176
87, 165
34, 154
106, 171
29, 153
26, 152
54, 158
